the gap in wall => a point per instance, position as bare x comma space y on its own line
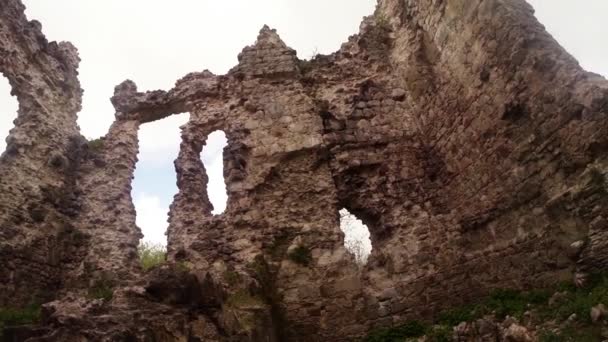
212, 157
8, 111
154, 183
356, 236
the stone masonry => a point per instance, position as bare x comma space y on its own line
472, 145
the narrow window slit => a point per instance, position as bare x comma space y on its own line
212, 157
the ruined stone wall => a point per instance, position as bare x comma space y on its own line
38, 199
465, 138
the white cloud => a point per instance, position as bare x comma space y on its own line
356, 235
8, 111
156, 42
159, 140
151, 218
580, 27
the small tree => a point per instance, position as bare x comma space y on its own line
151, 255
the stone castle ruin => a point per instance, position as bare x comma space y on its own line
470, 143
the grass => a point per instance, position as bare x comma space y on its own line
579, 301
502, 303
301, 255
151, 255
399, 333
15, 317
439, 333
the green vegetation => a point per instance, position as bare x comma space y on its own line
382, 21
572, 334
183, 266
301, 255
232, 278
16, 317
502, 303
151, 255
578, 301
266, 275
398, 333
439, 333
305, 66
103, 289
279, 246
243, 299
96, 145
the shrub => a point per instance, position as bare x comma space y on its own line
305, 66
382, 21
301, 255
96, 145
151, 255
506, 302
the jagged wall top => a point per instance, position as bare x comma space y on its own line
470, 143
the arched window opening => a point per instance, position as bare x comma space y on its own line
356, 236
8, 111
154, 181
212, 157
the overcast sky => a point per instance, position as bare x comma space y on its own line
156, 42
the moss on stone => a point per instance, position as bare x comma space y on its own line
243, 299
301, 255
18, 316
